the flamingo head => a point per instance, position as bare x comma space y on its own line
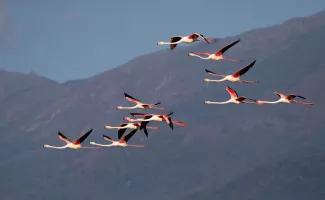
191, 54
160, 43
127, 118
119, 107
207, 102
46, 146
206, 80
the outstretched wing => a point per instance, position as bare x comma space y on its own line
132, 99
174, 39
169, 121
225, 48
212, 73
129, 135
232, 92
292, 96
243, 70
108, 138
281, 95
83, 137
62, 137
202, 36
120, 132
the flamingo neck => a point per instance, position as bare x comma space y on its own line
204, 58
125, 107
54, 147
102, 145
213, 102
210, 80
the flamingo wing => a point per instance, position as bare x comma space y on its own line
202, 36
212, 73
144, 123
83, 137
132, 99
169, 121
243, 70
120, 133
174, 39
62, 137
108, 138
225, 48
232, 92
129, 135
292, 96
281, 95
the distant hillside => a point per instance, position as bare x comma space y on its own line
219, 145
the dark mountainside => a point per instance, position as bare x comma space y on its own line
211, 156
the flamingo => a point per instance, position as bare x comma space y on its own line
120, 143
73, 145
174, 40
285, 99
139, 104
233, 98
151, 117
135, 126
218, 55
235, 77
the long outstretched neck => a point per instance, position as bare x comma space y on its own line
204, 58
112, 127
54, 147
125, 107
213, 102
102, 145
133, 120
211, 80
162, 43
272, 102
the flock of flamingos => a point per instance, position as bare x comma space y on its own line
142, 123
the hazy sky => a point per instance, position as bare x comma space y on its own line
71, 39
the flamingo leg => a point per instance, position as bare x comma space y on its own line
244, 81
304, 103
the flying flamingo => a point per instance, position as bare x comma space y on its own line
174, 40
73, 145
217, 55
139, 104
285, 99
120, 143
235, 77
233, 98
135, 126
151, 117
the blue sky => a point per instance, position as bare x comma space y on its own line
72, 39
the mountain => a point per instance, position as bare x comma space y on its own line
220, 145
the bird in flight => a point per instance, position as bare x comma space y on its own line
218, 55
233, 98
69, 144
285, 99
119, 143
139, 104
174, 40
235, 77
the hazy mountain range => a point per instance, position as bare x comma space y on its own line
226, 151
